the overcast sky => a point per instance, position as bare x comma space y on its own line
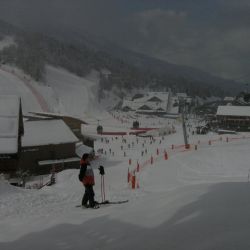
213, 35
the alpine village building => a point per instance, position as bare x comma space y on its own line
47, 145
37, 146
235, 118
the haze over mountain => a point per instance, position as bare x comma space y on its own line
31, 52
210, 35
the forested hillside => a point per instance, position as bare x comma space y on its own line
32, 51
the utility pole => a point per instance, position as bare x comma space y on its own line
182, 106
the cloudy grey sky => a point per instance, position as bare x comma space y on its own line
212, 35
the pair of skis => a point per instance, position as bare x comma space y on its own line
106, 202
111, 202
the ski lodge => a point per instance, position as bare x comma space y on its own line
233, 117
155, 103
75, 124
37, 145
47, 145
11, 130
151, 103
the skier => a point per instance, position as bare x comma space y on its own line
86, 176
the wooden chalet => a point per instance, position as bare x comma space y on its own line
72, 122
47, 145
233, 117
11, 130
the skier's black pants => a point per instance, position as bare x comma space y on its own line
88, 196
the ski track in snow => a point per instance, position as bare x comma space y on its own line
26, 82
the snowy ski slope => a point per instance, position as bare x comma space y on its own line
196, 199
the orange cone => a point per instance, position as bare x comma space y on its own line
138, 167
128, 175
133, 181
165, 155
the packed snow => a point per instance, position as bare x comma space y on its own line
195, 198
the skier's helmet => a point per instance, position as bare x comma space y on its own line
85, 156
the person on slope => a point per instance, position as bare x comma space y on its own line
86, 176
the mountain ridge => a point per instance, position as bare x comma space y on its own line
128, 69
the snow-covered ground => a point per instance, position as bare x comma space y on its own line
76, 96
6, 42
62, 92
10, 84
196, 199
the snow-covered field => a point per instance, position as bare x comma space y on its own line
196, 199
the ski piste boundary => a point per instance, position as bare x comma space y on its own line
108, 203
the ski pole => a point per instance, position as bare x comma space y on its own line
103, 188
101, 169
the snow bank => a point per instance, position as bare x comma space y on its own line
6, 188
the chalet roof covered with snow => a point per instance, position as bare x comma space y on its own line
38, 133
233, 111
9, 105
55, 116
153, 101
9, 124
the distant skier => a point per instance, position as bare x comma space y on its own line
86, 176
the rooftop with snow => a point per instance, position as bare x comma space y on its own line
230, 110
9, 123
47, 132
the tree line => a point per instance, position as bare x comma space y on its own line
32, 52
